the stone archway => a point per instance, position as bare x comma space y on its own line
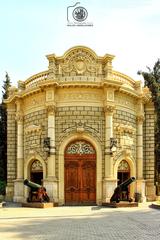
80, 173
123, 174
61, 160
130, 163
36, 172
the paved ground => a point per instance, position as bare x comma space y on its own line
79, 223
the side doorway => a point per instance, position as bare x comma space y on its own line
122, 175
36, 172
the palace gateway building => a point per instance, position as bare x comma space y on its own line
79, 129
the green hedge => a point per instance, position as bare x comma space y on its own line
2, 187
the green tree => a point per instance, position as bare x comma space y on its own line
152, 81
3, 134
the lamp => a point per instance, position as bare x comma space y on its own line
46, 145
113, 144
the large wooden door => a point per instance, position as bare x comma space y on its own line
80, 174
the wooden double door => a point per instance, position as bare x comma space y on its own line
80, 179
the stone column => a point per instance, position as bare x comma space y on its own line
140, 180
51, 182
51, 135
20, 160
140, 146
18, 183
108, 136
109, 183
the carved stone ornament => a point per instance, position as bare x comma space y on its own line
140, 119
109, 109
36, 166
33, 128
19, 117
123, 166
124, 128
51, 109
80, 127
80, 67
80, 62
80, 147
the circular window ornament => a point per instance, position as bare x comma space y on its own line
80, 14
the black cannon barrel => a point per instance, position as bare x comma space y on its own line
126, 183
32, 185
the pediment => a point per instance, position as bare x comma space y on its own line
79, 61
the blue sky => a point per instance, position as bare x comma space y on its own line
128, 29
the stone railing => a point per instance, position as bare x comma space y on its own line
79, 79
123, 78
34, 80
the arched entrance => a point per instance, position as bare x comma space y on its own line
36, 172
122, 175
80, 173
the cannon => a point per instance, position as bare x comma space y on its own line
37, 192
116, 197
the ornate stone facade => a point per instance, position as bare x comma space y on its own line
80, 98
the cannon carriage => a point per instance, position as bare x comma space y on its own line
116, 197
37, 192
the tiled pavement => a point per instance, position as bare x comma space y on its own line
79, 223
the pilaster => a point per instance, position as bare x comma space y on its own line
52, 66
108, 135
51, 182
18, 183
140, 120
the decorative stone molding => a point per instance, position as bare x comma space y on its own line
127, 153
33, 128
12, 90
80, 61
79, 95
122, 128
80, 66
36, 166
21, 85
123, 166
110, 95
140, 119
123, 154
80, 127
51, 109
109, 109
19, 117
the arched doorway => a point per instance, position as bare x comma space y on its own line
80, 173
36, 174
122, 175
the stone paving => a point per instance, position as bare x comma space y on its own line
79, 223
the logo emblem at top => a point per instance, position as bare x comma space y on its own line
77, 16
80, 14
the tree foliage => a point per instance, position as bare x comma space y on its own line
3, 134
152, 81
